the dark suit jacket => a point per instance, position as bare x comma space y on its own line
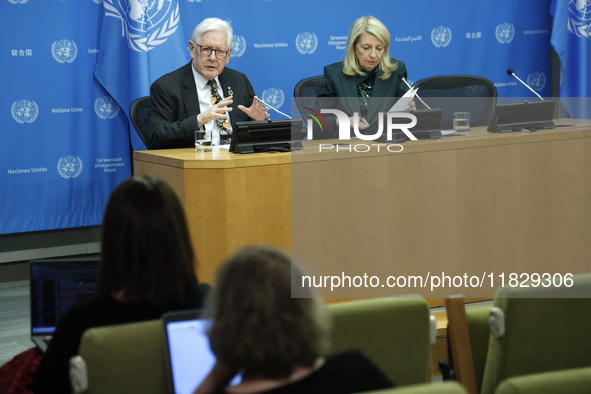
175, 105
344, 89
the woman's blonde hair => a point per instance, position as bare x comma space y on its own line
371, 25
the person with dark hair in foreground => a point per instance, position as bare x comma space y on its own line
277, 342
146, 269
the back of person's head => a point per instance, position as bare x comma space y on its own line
257, 326
147, 256
373, 26
212, 24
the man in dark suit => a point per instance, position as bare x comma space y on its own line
202, 94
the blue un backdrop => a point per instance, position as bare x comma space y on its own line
71, 68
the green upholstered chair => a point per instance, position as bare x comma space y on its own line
395, 333
538, 330
479, 329
569, 381
126, 358
449, 387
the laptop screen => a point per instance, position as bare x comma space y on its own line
56, 284
188, 357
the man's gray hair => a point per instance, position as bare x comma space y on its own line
212, 24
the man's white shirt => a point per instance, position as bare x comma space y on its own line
204, 95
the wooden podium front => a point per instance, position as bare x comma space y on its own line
482, 203
230, 200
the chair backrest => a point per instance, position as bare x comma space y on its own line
451, 93
393, 332
566, 381
449, 387
538, 329
305, 93
127, 358
139, 110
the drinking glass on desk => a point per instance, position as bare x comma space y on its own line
461, 122
202, 141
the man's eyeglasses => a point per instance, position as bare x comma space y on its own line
219, 53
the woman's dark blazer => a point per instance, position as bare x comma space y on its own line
344, 88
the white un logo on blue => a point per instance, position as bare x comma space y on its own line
441, 36
69, 167
579, 22
64, 51
505, 33
274, 97
238, 46
147, 23
24, 111
537, 81
306, 43
106, 108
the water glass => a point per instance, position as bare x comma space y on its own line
461, 122
202, 141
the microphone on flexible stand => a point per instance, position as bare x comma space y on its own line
416, 94
273, 108
510, 72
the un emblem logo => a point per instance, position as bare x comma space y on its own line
505, 33
579, 22
441, 36
145, 23
306, 43
17, 1
274, 97
64, 51
238, 46
24, 111
69, 167
106, 108
537, 81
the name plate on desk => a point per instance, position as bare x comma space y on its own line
267, 136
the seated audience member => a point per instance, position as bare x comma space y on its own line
203, 93
146, 269
277, 342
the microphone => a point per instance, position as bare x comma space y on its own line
510, 72
416, 94
273, 108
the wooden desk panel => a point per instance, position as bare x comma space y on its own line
480, 204
230, 200
483, 202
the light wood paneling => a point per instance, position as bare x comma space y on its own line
477, 204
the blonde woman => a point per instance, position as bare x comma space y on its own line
367, 75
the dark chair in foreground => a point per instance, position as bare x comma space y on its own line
452, 93
305, 93
139, 111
